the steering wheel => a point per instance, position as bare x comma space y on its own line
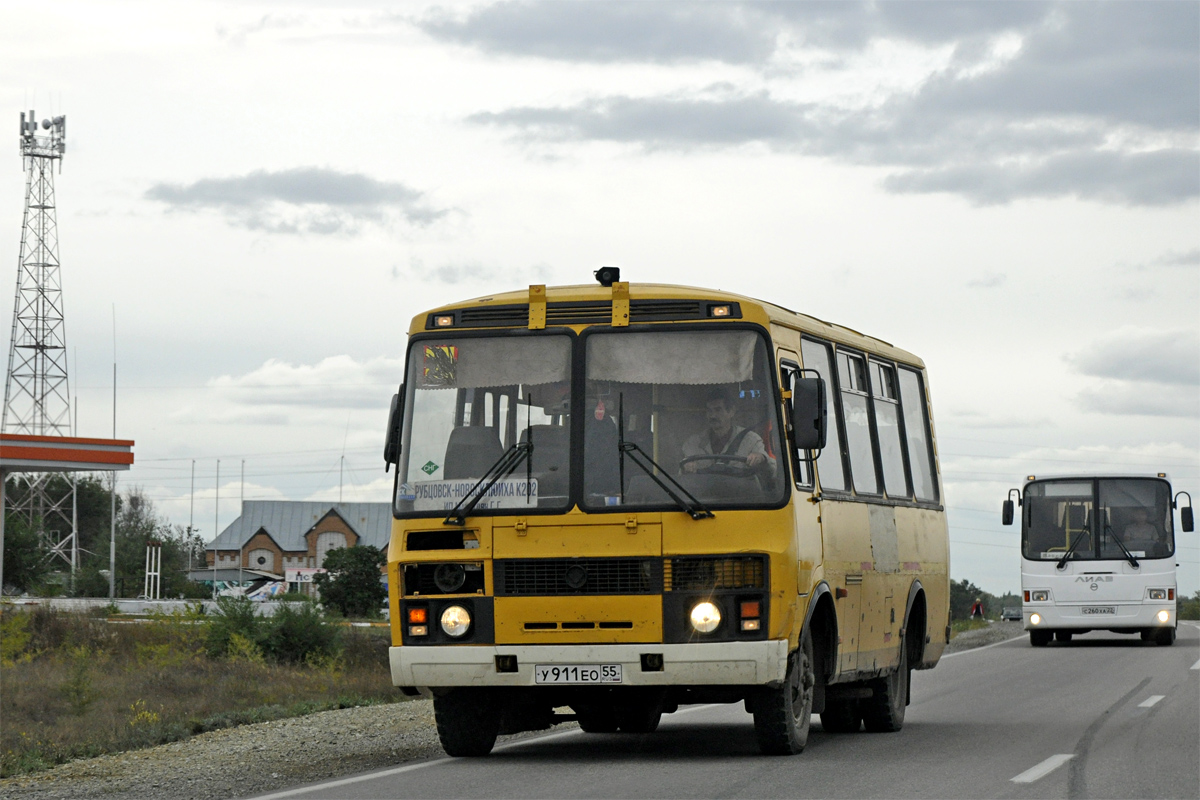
723, 464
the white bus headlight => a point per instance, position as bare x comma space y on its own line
1035, 619
705, 617
455, 621
1041, 595
1158, 594
1164, 616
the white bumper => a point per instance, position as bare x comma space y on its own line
1076, 616
732, 663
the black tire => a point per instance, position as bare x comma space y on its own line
1164, 637
597, 720
468, 721
841, 716
1040, 638
783, 716
1063, 636
639, 718
883, 712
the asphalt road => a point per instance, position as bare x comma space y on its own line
1102, 716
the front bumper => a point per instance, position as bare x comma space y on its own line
1128, 616
717, 663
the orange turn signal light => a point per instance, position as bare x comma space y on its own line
750, 608
418, 615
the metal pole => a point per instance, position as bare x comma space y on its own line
216, 527
3, 492
112, 538
241, 545
191, 514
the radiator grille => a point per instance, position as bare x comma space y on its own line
577, 576
689, 574
581, 313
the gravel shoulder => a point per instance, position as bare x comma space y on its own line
256, 759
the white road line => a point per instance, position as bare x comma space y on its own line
1043, 769
977, 649
1151, 700
1196, 665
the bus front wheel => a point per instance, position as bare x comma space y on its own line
468, 721
1040, 638
1164, 637
783, 716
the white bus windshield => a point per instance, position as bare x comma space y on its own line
1100, 519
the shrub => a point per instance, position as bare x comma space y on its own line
296, 630
352, 582
14, 635
234, 615
1189, 607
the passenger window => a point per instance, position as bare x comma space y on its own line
829, 461
852, 370
801, 463
887, 424
916, 431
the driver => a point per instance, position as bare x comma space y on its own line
1139, 531
722, 437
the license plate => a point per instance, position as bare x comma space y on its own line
1099, 609
577, 673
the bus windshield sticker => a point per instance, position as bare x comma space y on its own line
441, 364
445, 495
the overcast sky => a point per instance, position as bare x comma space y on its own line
266, 193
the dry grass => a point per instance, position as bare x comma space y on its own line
73, 686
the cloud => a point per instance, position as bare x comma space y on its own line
1143, 354
988, 280
300, 200
1091, 100
1124, 397
1187, 258
471, 272
237, 34
337, 382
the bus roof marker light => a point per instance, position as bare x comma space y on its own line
718, 311
444, 321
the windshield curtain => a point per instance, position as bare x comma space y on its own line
1135, 512
472, 399
697, 405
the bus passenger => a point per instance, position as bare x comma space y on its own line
722, 437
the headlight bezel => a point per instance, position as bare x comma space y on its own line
460, 621
705, 617
1040, 595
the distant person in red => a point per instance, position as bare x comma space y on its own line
977, 609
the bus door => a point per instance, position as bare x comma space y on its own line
806, 511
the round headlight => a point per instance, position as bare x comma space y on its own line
1035, 619
449, 578
455, 621
705, 617
1164, 615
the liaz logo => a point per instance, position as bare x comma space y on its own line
1093, 579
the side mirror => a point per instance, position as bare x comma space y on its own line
391, 444
808, 413
1185, 517
1006, 516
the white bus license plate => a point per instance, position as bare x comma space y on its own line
577, 673
1099, 609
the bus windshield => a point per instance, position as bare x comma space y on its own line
671, 410
470, 401
1101, 519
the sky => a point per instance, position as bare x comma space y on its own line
257, 198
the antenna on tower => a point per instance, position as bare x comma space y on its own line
37, 394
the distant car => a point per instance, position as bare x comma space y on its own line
1011, 613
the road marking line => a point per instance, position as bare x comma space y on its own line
1196, 665
1151, 700
1043, 769
983, 647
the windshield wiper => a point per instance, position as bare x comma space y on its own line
694, 508
509, 460
1062, 562
1133, 562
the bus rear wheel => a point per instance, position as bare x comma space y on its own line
468, 721
1040, 638
883, 712
782, 716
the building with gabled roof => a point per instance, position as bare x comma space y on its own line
274, 536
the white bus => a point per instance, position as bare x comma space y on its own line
1098, 553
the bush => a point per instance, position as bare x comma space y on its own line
352, 582
298, 631
1189, 607
235, 615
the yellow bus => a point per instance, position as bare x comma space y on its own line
612, 500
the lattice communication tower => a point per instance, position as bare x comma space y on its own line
37, 397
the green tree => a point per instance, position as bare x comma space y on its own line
26, 560
351, 583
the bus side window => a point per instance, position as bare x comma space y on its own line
916, 434
885, 402
801, 463
852, 378
829, 465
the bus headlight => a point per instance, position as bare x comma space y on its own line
705, 617
1041, 595
1158, 594
1164, 616
455, 621
1035, 619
